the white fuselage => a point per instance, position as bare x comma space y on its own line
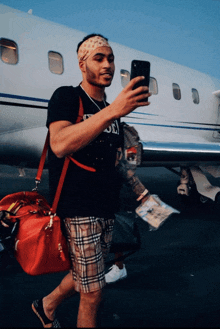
26, 87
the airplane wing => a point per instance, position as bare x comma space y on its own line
179, 154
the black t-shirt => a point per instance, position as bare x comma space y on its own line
85, 193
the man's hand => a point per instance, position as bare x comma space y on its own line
145, 198
129, 99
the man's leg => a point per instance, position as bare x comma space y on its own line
88, 308
64, 290
119, 263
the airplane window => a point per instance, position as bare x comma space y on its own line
125, 78
153, 88
176, 91
55, 62
8, 51
195, 96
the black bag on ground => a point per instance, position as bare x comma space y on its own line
8, 231
126, 236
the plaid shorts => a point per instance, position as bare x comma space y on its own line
89, 240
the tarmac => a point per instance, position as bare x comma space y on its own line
173, 280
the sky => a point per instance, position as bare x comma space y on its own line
186, 32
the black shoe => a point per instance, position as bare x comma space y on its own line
37, 307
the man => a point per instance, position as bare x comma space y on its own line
89, 199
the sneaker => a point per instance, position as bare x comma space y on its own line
115, 274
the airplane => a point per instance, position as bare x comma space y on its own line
180, 128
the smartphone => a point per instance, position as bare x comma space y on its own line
141, 68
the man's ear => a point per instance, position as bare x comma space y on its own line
82, 66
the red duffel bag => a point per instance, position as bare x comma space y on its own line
40, 246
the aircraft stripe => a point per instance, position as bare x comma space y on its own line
24, 97
169, 126
23, 105
143, 113
134, 123
192, 123
200, 123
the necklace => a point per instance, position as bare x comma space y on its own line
92, 99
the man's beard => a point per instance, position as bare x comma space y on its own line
91, 78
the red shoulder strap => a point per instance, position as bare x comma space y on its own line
60, 186
42, 159
81, 111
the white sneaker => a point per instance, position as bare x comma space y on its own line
115, 274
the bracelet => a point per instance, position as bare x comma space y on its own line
142, 195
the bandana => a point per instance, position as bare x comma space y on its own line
88, 46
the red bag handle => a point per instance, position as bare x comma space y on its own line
65, 165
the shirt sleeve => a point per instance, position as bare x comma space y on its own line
63, 105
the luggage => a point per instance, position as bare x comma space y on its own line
39, 246
126, 236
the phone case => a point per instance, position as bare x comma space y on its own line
141, 68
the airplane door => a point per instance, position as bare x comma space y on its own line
216, 133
